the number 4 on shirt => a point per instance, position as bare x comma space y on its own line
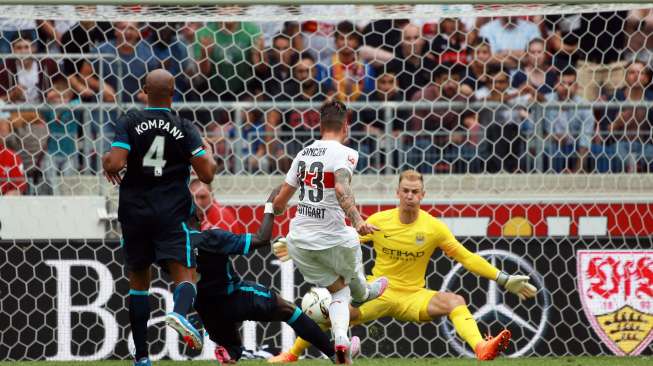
154, 156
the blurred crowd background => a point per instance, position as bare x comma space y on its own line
543, 94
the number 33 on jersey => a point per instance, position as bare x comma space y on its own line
320, 222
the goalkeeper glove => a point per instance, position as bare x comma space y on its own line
517, 285
280, 250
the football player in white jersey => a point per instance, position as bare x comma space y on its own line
324, 248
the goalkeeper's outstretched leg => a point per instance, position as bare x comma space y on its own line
420, 306
454, 306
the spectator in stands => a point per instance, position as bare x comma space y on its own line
368, 127
24, 80
217, 136
275, 69
297, 126
64, 129
171, 53
630, 128
569, 131
351, 77
82, 39
52, 31
290, 28
448, 133
226, 52
594, 43
411, 65
384, 33
194, 86
477, 75
12, 29
211, 214
537, 77
449, 46
318, 39
131, 60
639, 28
374, 119
254, 147
509, 38
12, 172
507, 126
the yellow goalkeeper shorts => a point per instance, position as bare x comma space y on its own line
409, 305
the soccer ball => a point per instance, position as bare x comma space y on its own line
315, 304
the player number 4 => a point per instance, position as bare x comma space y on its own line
154, 156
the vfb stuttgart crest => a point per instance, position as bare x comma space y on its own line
616, 290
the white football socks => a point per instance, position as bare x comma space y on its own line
339, 316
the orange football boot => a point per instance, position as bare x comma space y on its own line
489, 348
283, 357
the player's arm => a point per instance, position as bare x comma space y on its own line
203, 163
281, 200
116, 159
200, 154
345, 197
227, 243
264, 233
288, 189
474, 263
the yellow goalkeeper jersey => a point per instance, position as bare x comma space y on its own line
403, 251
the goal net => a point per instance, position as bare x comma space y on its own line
532, 126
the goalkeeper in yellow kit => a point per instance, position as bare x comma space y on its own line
406, 239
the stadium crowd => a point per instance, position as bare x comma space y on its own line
484, 81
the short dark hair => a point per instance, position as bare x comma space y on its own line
306, 56
344, 29
23, 36
495, 68
481, 41
280, 35
536, 40
332, 115
439, 71
568, 71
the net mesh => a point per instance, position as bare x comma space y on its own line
531, 123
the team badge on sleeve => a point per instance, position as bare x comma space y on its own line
616, 290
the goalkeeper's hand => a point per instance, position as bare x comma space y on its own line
280, 250
517, 285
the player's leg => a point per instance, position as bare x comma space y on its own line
139, 313
173, 251
304, 327
454, 306
138, 253
319, 267
446, 303
369, 311
339, 311
185, 290
183, 297
224, 332
361, 290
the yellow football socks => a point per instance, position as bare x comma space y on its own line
299, 347
465, 325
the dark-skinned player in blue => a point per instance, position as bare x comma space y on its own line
224, 300
157, 148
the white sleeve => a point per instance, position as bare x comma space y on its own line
346, 159
291, 176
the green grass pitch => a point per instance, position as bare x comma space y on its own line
527, 361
